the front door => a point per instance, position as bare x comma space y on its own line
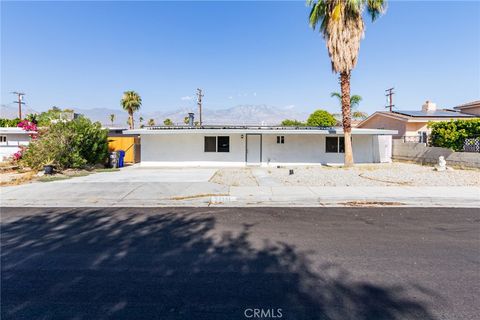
254, 149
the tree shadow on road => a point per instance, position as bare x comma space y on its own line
92, 264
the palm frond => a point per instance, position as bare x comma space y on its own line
317, 14
355, 100
335, 95
376, 8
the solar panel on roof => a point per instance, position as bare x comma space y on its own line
437, 113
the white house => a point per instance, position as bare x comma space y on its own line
266, 146
11, 139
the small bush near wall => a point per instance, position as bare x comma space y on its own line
452, 134
9, 122
68, 144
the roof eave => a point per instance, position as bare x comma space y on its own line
332, 131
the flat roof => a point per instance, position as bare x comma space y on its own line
255, 130
14, 130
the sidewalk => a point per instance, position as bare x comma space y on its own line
358, 196
76, 193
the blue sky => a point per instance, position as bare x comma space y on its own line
85, 54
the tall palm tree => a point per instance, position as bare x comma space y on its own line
112, 118
131, 103
342, 27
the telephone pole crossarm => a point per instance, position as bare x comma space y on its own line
199, 103
389, 94
20, 102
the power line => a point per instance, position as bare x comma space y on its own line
20, 102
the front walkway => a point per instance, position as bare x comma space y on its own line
138, 187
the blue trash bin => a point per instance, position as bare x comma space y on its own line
121, 156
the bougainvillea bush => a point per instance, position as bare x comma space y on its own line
27, 125
70, 144
452, 134
18, 155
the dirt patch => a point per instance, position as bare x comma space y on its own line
401, 183
372, 203
16, 178
234, 177
196, 196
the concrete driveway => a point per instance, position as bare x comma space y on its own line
131, 186
149, 175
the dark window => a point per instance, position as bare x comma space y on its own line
281, 139
341, 145
335, 145
223, 144
210, 144
331, 144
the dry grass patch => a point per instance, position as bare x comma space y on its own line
203, 195
17, 178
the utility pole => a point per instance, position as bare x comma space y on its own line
389, 94
20, 102
199, 102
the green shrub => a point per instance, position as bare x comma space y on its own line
452, 134
321, 118
9, 122
68, 144
292, 123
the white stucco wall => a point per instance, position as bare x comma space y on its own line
310, 149
8, 148
188, 150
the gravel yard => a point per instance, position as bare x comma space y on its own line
234, 177
393, 174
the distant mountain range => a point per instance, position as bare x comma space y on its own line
11, 112
238, 115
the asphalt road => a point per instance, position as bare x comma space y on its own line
223, 263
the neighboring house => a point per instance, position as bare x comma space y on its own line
411, 125
354, 123
470, 108
249, 145
11, 139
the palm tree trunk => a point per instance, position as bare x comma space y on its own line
130, 114
346, 117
